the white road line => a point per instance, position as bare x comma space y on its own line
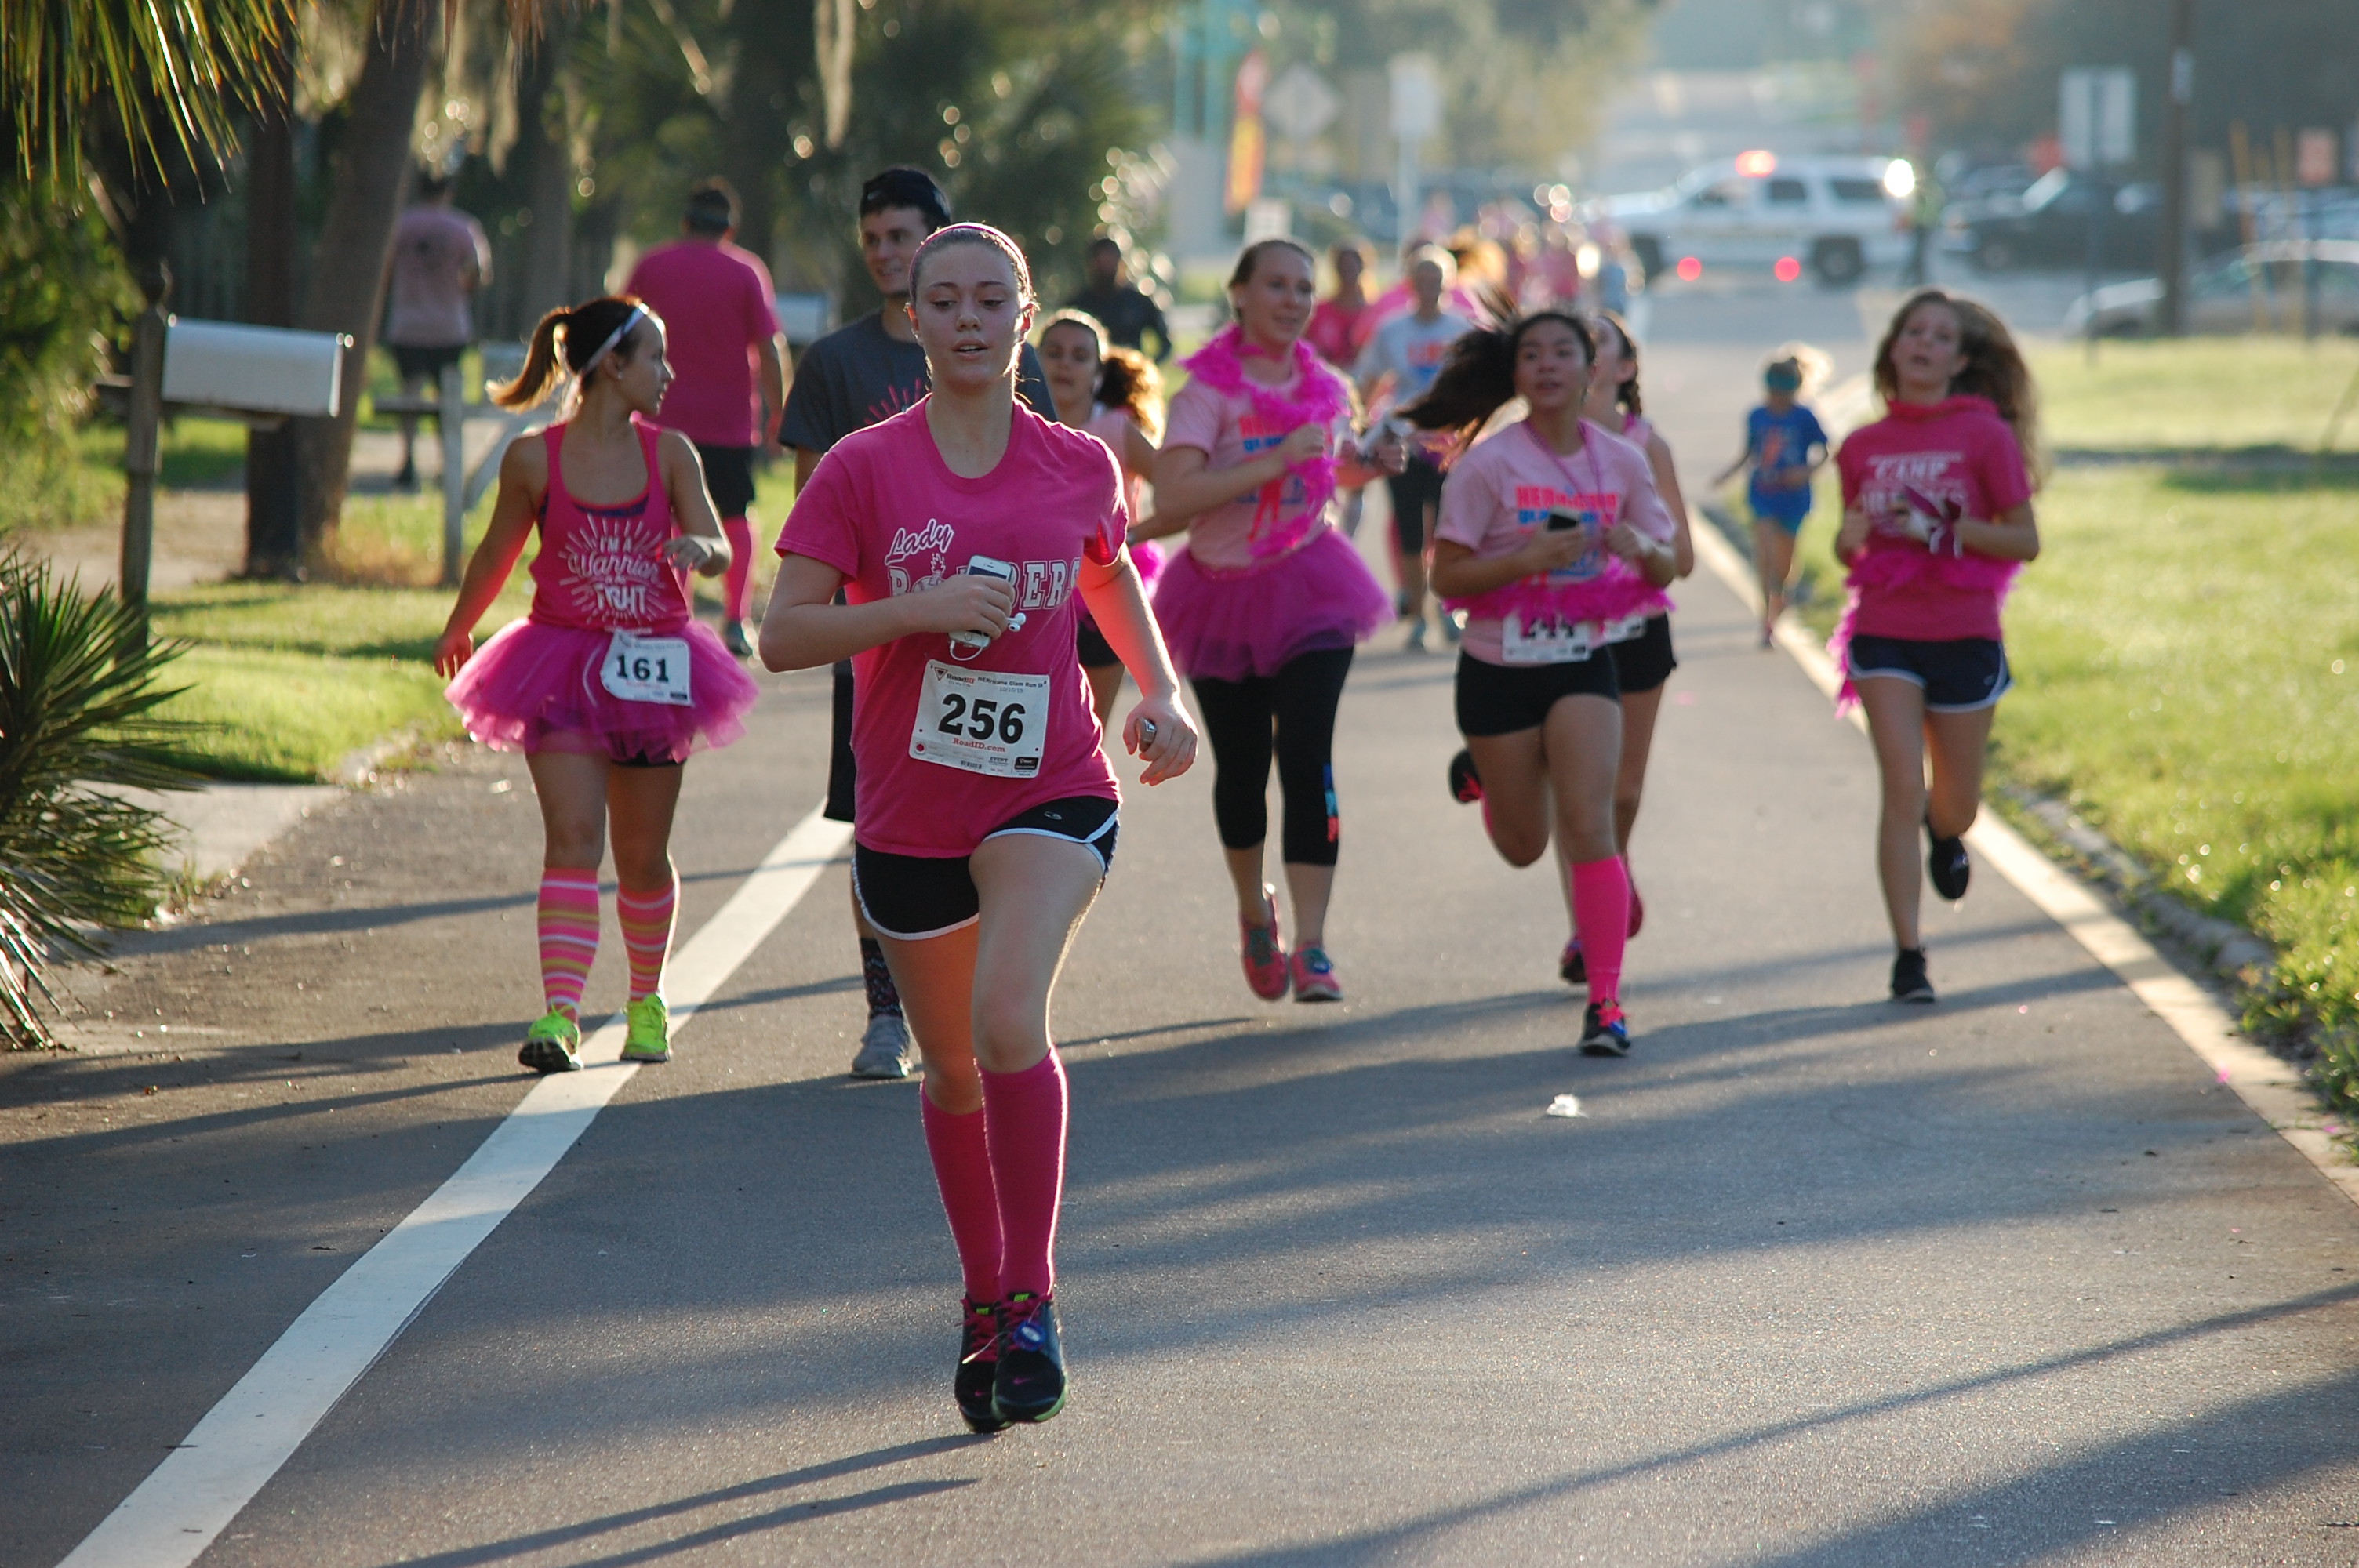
242, 1442
2271, 1088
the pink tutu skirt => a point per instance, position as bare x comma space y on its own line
535, 688
1224, 627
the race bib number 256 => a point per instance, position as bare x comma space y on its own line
982, 721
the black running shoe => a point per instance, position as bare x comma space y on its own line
1909, 982
1947, 864
1465, 784
978, 1366
1604, 1030
1031, 1382
1573, 966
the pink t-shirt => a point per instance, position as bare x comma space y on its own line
1956, 451
1507, 486
716, 305
885, 510
1335, 330
1227, 430
601, 569
1113, 426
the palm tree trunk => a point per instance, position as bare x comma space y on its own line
274, 515
545, 268
350, 265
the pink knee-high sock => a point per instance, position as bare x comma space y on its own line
737, 587
1600, 910
569, 935
1026, 1113
961, 1154
646, 919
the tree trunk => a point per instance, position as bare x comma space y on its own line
349, 265
544, 280
274, 516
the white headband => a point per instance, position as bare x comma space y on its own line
613, 337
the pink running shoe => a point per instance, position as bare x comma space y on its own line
1264, 956
1314, 977
1573, 967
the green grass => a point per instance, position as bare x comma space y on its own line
295, 716
2196, 393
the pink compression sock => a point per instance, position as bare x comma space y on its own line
1601, 908
1026, 1113
646, 919
569, 935
961, 1154
737, 587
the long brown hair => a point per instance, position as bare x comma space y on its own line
577, 333
1127, 379
1994, 367
1478, 376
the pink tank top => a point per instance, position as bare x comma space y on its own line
601, 569
1634, 430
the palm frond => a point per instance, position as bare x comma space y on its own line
80, 683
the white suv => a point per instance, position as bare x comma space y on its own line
1838, 215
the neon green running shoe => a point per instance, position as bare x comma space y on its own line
649, 1035
553, 1045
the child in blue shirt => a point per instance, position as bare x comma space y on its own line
1784, 446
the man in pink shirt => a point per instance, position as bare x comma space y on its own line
721, 318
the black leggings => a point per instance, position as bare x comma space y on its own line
1299, 700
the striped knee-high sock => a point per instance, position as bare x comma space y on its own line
569, 935
646, 919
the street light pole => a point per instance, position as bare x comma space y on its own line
2170, 264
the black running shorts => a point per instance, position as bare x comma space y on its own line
1094, 651
842, 770
1502, 700
1645, 661
728, 477
1962, 676
912, 897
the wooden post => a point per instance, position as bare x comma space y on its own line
452, 421
141, 441
2172, 261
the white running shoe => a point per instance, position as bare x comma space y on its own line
883, 1048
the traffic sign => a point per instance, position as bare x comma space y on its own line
2097, 116
1300, 103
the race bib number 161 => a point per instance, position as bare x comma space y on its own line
982, 721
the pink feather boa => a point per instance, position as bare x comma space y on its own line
1614, 594
1889, 564
1320, 397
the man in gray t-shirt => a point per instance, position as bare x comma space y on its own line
1401, 359
854, 377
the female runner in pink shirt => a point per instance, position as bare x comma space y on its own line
966, 533
1266, 605
609, 683
1553, 542
1937, 519
1642, 665
1116, 394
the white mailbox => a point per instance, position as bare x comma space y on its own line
261, 370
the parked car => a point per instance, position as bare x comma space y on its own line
2220, 295
1841, 215
2047, 225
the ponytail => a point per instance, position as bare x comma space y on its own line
577, 334
1130, 382
1478, 377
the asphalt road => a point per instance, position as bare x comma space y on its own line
1813, 1280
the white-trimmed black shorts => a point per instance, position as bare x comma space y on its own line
913, 897
1960, 675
